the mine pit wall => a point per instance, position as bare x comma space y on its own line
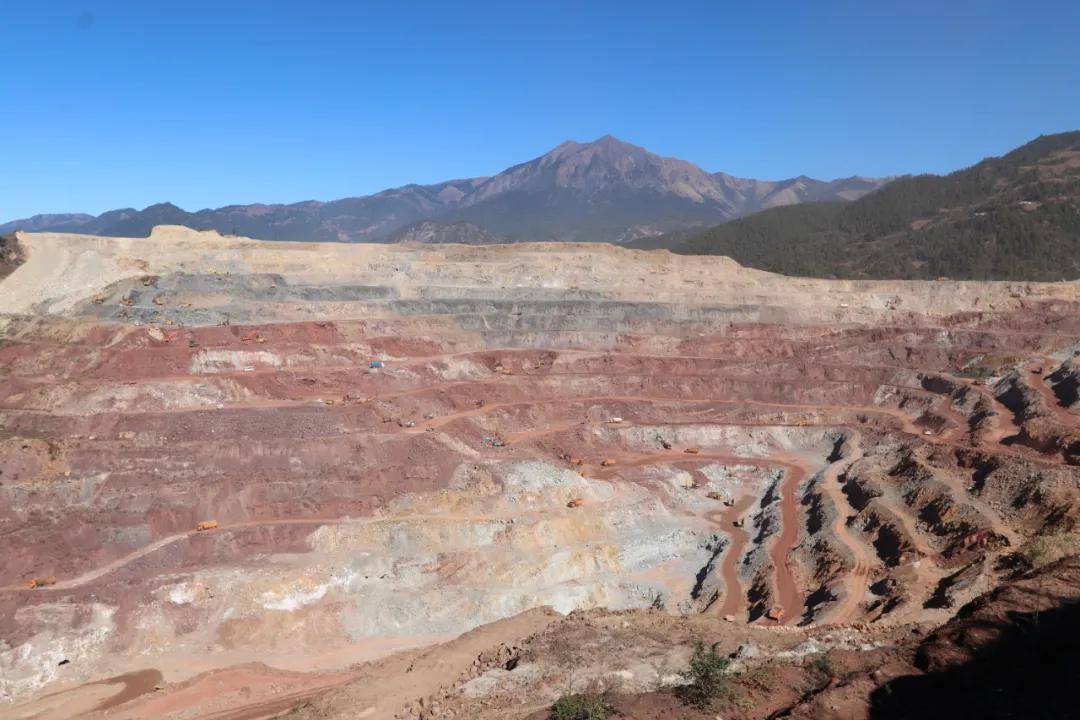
1044, 425
729, 390
826, 560
342, 523
907, 514
1066, 384
180, 556
142, 422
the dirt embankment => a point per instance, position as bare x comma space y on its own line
11, 255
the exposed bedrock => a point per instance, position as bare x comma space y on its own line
386, 447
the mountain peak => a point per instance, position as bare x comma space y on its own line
611, 172
163, 206
609, 145
612, 141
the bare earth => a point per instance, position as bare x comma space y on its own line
573, 461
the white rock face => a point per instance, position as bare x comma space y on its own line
181, 594
218, 361
473, 554
35, 663
294, 597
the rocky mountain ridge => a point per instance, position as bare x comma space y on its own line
606, 190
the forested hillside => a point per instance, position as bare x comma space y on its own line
1015, 217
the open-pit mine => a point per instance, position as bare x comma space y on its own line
241, 477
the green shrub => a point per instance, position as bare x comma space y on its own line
1049, 547
708, 677
581, 707
821, 664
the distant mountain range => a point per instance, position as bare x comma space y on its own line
606, 190
1015, 217
38, 223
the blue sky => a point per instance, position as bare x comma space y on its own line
116, 104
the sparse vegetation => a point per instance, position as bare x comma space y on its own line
708, 677
821, 664
759, 678
1042, 550
589, 706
